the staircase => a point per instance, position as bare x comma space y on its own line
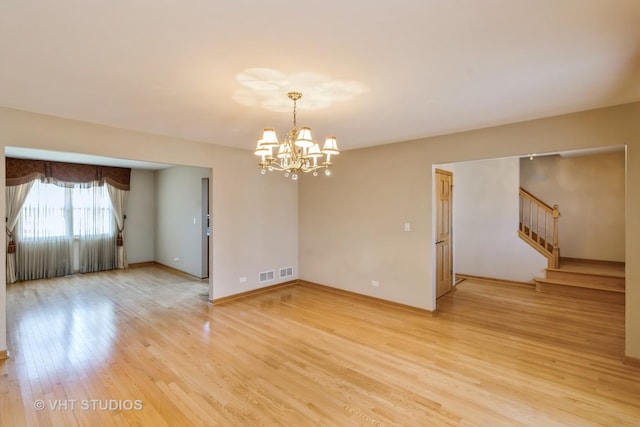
596, 280
599, 280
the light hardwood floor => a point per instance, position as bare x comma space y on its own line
495, 355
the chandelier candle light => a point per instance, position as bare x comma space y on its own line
298, 152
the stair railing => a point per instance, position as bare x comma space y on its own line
539, 226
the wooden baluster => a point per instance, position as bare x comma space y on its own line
538, 223
530, 219
556, 250
546, 235
522, 200
524, 215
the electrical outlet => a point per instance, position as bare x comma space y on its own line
375, 283
176, 259
243, 279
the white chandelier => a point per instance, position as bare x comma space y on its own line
298, 152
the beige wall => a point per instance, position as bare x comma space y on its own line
351, 224
178, 230
486, 206
139, 242
589, 191
254, 217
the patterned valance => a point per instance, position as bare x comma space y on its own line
20, 171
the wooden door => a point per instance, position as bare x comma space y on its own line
444, 250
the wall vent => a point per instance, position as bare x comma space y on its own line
266, 276
286, 272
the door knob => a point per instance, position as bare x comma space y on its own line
439, 241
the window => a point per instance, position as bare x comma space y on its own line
52, 211
92, 211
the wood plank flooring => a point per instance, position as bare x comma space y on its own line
92, 346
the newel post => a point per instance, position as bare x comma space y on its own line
556, 250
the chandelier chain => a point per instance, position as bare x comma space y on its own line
295, 123
294, 96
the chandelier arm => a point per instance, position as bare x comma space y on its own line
292, 169
275, 166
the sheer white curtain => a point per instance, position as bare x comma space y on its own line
94, 227
57, 218
119, 203
15, 198
43, 242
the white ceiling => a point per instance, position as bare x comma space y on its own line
388, 71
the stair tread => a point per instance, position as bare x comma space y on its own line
579, 284
588, 273
612, 268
